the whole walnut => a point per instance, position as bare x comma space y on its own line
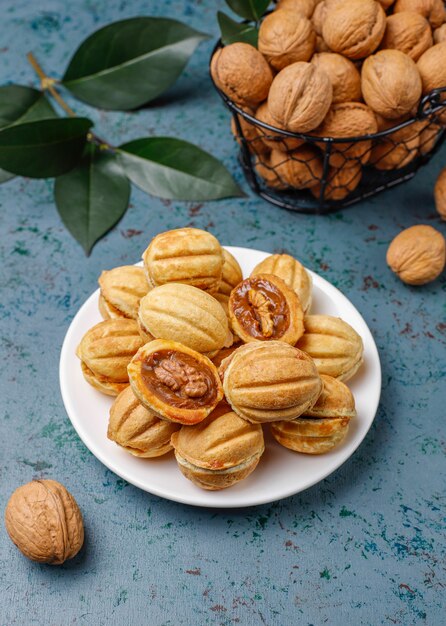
397, 149
343, 75
432, 68
300, 169
409, 32
44, 521
286, 37
432, 10
440, 194
391, 83
241, 72
318, 17
272, 140
348, 119
304, 7
440, 34
354, 28
300, 97
267, 173
429, 134
249, 132
341, 181
417, 255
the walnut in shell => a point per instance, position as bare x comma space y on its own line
304, 7
440, 194
341, 181
286, 37
432, 67
241, 72
429, 135
348, 119
432, 10
272, 140
300, 169
440, 34
397, 149
354, 28
417, 255
300, 97
249, 133
44, 521
343, 75
391, 83
409, 32
263, 167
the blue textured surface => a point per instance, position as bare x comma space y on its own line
365, 546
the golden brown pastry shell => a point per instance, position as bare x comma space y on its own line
121, 290
102, 383
185, 255
161, 406
335, 400
291, 272
107, 348
214, 480
335, 347
271, 381
185, 314
292, 305
311, 436
138, 430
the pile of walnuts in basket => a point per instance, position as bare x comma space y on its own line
338, 69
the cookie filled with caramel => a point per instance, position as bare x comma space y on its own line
264, 308
175, 382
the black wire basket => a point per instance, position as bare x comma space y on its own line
313, 174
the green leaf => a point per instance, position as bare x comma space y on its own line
93, 197
249, 9
175, 169
20, 104
45, 148
129, 63
5, 176
232, 31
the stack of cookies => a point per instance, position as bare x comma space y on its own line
200, 359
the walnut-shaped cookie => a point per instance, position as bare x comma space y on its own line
105, 351
264, 308
324, 426
174, 382
138, 430
121, 290
334, 345
220, 451
291, 272
268, 382
186, 255
185, 314
230, 278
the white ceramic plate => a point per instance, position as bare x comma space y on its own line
280, 473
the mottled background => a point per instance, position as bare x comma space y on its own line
365, 546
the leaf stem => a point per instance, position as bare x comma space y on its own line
48, 84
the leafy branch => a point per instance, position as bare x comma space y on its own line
247, 31
122, 66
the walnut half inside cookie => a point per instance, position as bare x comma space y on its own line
264, 308
175, 382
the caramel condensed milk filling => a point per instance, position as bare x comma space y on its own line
178, 379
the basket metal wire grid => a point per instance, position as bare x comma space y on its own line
313, 174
